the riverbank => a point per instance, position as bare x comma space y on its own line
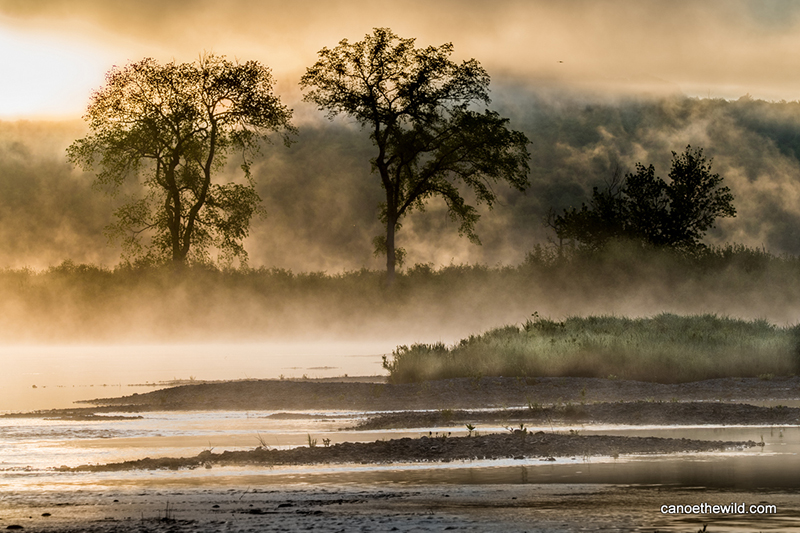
460, 393
380, 482
654, 413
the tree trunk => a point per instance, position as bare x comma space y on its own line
178, 257
178, 253
173, 208
178, 261
390, 252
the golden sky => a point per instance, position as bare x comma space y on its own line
54, 52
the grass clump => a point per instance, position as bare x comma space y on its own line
666, 348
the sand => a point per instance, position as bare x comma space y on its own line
384, 508
410, 503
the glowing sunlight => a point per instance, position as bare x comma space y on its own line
46, 77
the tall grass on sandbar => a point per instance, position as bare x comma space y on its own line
666, 348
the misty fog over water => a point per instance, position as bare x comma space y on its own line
597, 88
55, 376
322, 200
309, 252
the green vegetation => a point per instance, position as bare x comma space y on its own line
664, 348
419, 109
171, 127
72, 302
577, 141
645, 208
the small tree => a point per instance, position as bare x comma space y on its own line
596, 223
416, 104
696, 198
172, 127
644, 207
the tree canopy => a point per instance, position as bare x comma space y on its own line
419, 108
171, 127
646, 208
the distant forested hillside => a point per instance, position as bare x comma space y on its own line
322, 200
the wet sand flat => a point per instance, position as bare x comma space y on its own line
518, 444
355, 507
458, 393
573, 494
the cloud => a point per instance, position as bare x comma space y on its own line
717, 48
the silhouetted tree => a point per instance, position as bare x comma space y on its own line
416, 104
644, 207
696, 198
172, 126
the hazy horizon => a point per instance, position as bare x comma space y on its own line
546, 61
62, 49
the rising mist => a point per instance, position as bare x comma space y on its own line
322, 200
312, 270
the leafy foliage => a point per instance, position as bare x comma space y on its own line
644, 207
418, 107
172, 126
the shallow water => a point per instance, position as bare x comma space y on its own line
52, 376
586, 493
30, 448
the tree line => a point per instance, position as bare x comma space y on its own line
173, 127
643, 207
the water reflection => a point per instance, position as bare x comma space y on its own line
52, 376
32, 446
